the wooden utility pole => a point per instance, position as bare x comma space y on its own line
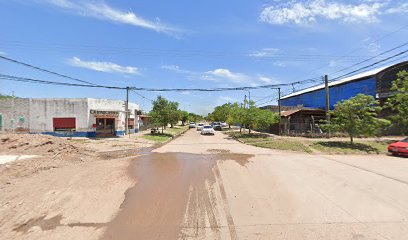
326, 84
279, 109
127, 111
279, 101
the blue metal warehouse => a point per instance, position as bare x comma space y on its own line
376, 82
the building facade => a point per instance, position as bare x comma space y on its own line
77, 117
376, 82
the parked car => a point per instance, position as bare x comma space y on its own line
399, 148
200, 126
224, 124
192, 125
207, 130
217, 126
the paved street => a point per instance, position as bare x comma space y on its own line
212, 187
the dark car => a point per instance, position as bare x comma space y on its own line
399, 148
217, 126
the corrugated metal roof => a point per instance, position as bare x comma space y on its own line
340, 81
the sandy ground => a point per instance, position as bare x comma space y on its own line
71, 190
212, 187
202, 187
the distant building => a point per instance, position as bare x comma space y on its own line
77, 117
376, 82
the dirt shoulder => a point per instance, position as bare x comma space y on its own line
70, 190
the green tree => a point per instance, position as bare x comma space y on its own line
234, 115
253, 117
164, 112
184, 117
220, 113
174, 113
357, 116
399, 101
159, 113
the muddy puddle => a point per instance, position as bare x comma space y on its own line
172, 194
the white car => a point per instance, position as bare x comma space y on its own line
207, 130
224, 124
192, 125
200, 126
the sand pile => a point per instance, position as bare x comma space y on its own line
38, 144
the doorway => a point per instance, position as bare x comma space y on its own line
105, 127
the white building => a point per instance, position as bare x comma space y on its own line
80, 117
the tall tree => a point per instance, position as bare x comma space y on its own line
159, 113
184, 117
220, 113
357, 116
174, 113
399, 101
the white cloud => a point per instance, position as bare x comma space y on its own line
227, 74
216, 75
108, 67
177, 69
268, 80
2, 53
222, 75
103, 11
300, 12
402, 8
223, 99
265, 52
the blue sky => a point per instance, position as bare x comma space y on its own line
189, 44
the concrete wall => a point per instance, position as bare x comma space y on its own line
42, 112
36, 115
15, 114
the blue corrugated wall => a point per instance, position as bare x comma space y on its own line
316, 99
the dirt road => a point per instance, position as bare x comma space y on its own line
212, 187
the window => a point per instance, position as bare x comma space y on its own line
64, 124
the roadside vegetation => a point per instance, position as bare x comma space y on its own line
398, 102
165, 113
246, 115
166, 135
312, 145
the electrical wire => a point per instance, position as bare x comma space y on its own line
371, 58
371, 65
44, 70
38, 81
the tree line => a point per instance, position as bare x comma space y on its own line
165, 112
357, 116
245, 115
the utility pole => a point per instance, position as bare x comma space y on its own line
127, 111
326, 84
279, 101
279, 109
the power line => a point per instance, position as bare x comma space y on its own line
140, 95
44, 70
38, 81
371, 58
371, 65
